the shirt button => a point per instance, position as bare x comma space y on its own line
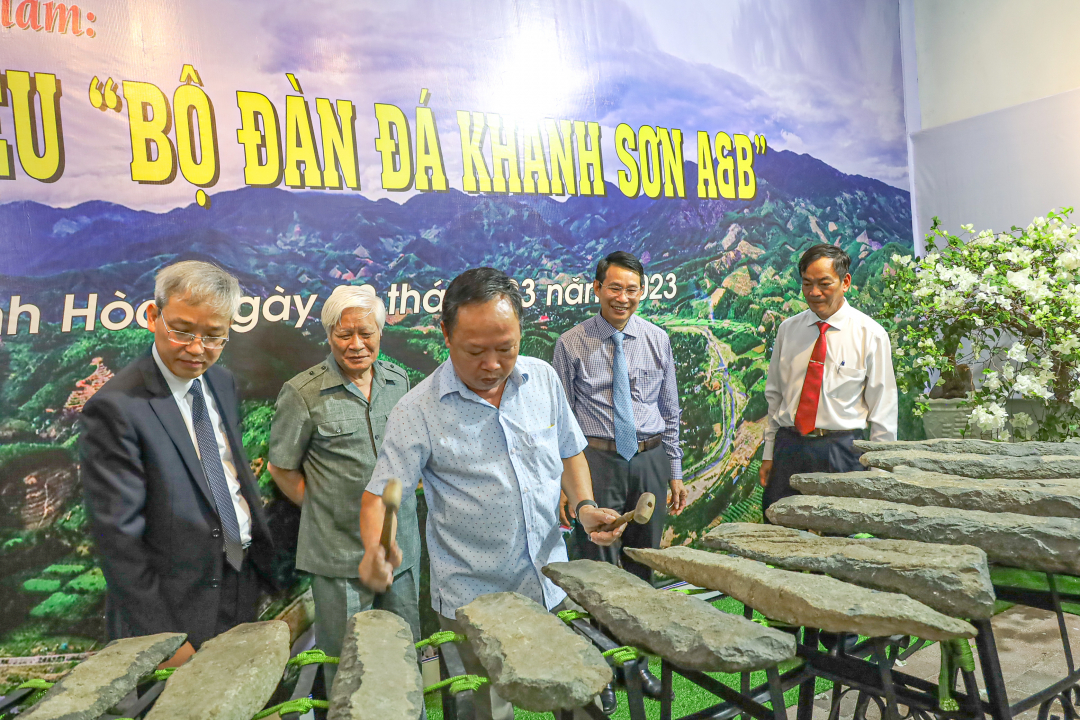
215, 533
214, 584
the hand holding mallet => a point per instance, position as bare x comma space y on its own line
641, 513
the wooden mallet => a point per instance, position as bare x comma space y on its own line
641, 514
391, 498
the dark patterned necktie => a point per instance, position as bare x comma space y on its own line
215, 474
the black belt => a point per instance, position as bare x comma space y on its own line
609, 445
819, 432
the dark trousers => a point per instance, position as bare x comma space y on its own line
239, 596
237, 602
794, 453
618, 484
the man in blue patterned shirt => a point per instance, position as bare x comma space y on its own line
619, 377
494, 440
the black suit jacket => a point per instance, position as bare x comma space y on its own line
152, 513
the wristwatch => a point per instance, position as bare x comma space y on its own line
583, 503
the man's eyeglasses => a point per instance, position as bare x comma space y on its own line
182, 338
631, 292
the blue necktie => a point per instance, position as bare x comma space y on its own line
625, 431
215, 474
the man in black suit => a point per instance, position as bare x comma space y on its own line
174, 507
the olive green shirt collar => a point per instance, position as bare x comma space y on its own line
334, 377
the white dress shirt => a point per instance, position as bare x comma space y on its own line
858, 387
179, 388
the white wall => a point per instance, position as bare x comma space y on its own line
994, 123
976, 56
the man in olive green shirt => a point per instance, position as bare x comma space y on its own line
323, 445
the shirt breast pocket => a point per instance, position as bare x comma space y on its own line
337, 430
645, 385
542, 450
848, 376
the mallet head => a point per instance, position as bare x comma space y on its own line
391, 496
644, 509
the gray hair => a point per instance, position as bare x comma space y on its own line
352, 296
202, 283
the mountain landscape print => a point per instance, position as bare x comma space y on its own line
817, 87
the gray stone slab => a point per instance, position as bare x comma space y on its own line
534, 660
1028, 467
1048, 498
977, 447
683, 629
805, 599
1023, 541
952, 579
230, 678
105, 678
378, 676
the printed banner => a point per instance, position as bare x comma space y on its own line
307, 145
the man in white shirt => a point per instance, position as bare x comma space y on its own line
830, 377
173, 504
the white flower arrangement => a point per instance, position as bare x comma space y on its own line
1007, 304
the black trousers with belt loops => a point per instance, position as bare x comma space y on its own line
794, 453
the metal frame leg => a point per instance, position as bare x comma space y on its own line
805, 709
776, 694
634, 693
881, 658
462, 705
667, 692
991, 671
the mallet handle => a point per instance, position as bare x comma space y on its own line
388, 529
618, 522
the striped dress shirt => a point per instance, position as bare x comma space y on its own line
583, 358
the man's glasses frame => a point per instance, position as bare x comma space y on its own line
618, 290
210, 342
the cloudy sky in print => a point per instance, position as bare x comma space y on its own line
821, 78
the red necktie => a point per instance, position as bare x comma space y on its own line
806, 416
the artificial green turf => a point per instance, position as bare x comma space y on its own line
1031, 580
688, 697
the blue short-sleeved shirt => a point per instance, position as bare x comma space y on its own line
492, 478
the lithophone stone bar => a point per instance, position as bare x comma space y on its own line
1047, 498
683, 629
534, 659
105, 678
1023, 541
952, 579
1028, 467
378, 675
804, 599
976, 447
230, 678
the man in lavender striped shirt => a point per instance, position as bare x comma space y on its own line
619, 376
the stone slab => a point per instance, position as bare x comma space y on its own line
378, 675
105, 678
952, 579
1048, 498
805, 599
976, 447
683, 629
231, 677
1028, 467
1023, 541
534, 660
